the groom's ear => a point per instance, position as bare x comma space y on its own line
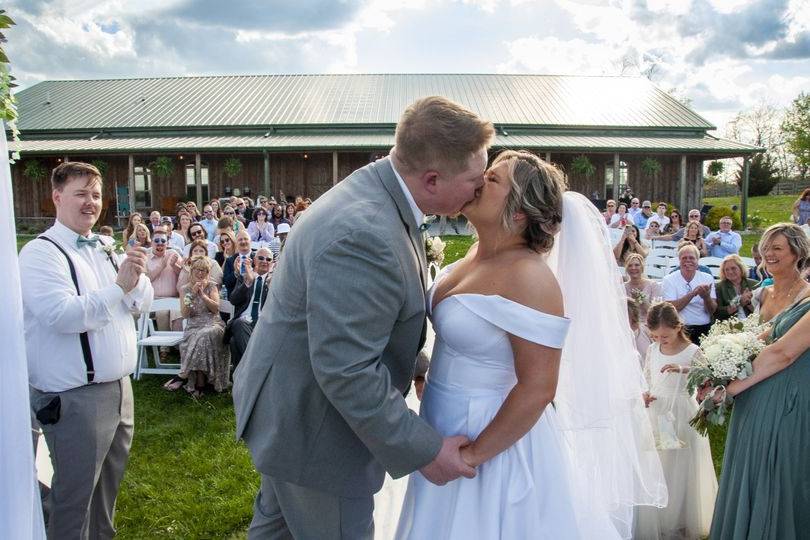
429, 181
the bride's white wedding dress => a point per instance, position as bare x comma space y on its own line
527, 491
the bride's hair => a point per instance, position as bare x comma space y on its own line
537, 191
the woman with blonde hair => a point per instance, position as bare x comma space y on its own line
638, 286
204, 360
140, 237
735, 291
693, 233
227, 246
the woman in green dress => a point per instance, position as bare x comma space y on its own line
765, 482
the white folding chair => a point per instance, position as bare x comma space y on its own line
664, 252
665, 244
749, 262
149, 338
656, 273
713, 263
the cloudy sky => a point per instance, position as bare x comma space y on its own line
723, 55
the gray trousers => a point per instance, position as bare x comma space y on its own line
241, 330
285, 511
89, 448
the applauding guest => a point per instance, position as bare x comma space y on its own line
198, 249
227, 246
261, 230
204, 360
135, 219
725, 241
248, 300
653, 231
691, 292
638, 287
734, 291
237, 263
78, 301
140, 238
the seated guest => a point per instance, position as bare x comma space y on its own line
209, 222
183, 223
198, 249
106, 230
630, 242
694, 217
725, 241
277, 216
248, 299
238, 221
291, 213
176, 240
141, 237
214, 204
653, 231
643, 217
261, 230
734, 291
691, 292
660, 216
198, 232
191, 207
675, 223
610, 211
227, 246
204, 360
129, 231
757, 272
694, 235
162, 267
701, 268
621, 218
641, 333
154, 221
281, 235
236, 263
635, 208
638, 287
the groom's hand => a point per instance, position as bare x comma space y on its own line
448, 464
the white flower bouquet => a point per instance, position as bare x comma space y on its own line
434, 250
728, 350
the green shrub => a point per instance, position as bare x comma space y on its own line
712, 220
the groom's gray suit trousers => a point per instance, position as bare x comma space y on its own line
283, 511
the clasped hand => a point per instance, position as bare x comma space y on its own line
449, 464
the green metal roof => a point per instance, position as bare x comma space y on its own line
381, 141
346, 100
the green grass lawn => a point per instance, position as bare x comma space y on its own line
188, 478
772, 208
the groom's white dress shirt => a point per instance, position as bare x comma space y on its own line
55, 315
418, 215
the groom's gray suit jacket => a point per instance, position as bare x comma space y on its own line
319, 391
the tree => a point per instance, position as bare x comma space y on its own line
796, 128
762, 176
761, 125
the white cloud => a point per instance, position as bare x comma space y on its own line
551, 55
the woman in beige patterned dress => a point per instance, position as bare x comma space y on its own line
204, 360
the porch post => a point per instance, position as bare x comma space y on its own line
131, 182
266, 184
548, 157
699, 183
198, 179
746, 179
616, 170
682, 201
334, 168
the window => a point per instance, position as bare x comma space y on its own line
143, 187
191, 187
609, 179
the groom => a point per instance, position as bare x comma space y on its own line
319, 394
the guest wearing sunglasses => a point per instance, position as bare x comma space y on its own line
261, 230
248, 297
238, 221
198, 232
227, 246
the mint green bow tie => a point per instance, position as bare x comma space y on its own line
81, 241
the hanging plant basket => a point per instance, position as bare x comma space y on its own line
582, 165
650, 166
34, 170
102, 166
232, 167
163, 167
715, 168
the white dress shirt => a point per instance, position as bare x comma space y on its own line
675, 286
418, 215
246, 315
730, 243
177, 242
55, 315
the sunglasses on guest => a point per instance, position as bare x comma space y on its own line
159, 240
198, 232
230, 213
262, 258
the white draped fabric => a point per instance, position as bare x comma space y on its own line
20, 510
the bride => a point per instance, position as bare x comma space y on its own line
533, 362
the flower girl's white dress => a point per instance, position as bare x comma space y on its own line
685, 454
526, 491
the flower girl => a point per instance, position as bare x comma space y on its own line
685, 454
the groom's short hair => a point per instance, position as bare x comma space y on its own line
62, 174
436, 133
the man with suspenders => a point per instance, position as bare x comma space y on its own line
78, 300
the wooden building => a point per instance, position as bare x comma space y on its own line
168, 139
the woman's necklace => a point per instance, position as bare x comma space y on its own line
790, 294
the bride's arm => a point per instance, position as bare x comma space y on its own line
536, 366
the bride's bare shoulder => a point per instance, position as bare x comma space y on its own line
532, 283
